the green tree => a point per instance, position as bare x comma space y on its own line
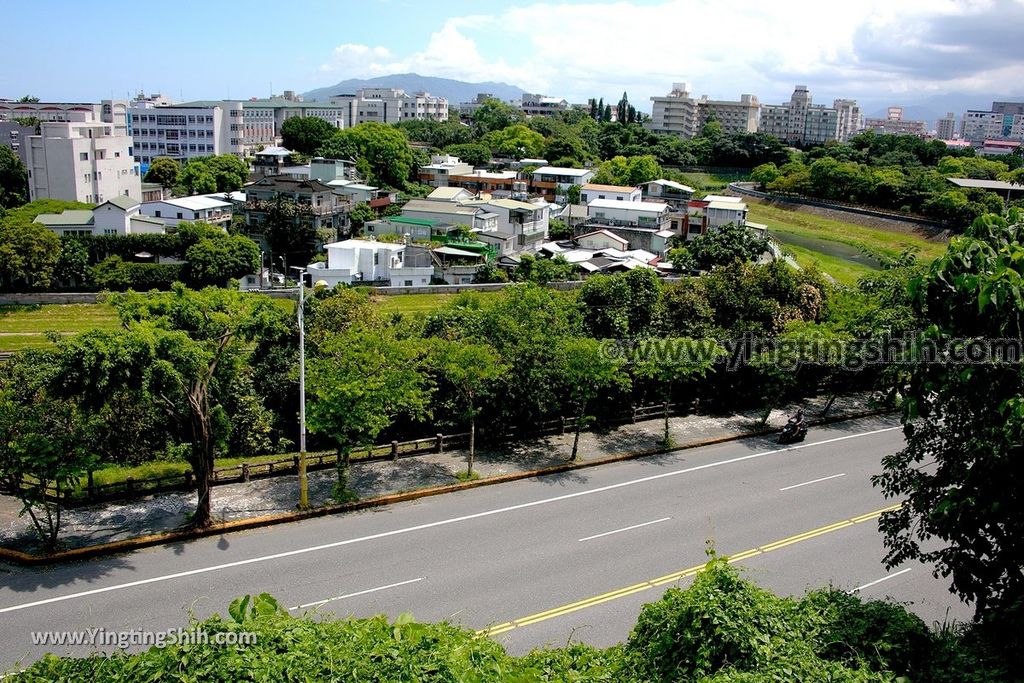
494, 115
721, 246
959, 475
629, 171
196, 178
289, 235
472, 369
361, 214
673, 360
517, 142
359, 383
28, 98
472, 153
585, 370
199, 342
381, 151
28, 252
43, 453
306, 134
764, 174
215, 261
163, 170
13, 180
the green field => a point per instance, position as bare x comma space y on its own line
23, 327
412, 303
886, 242
709, 182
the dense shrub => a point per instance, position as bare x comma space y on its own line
118, 275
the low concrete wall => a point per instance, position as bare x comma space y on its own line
51, 298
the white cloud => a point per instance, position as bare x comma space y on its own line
723, 50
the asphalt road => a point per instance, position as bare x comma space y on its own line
538, 561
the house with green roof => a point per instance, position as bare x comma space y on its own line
117, 216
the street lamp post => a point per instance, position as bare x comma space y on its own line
303, 480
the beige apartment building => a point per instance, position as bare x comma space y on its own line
680, 114
85, 161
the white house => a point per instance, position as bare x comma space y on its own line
441, 168
197, 208
723, 209
369, 261
117, 216
612, 212
553, 181
525, 221
667, 191
619, 193
602, 239
450, 194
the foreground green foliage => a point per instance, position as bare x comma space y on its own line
722, 628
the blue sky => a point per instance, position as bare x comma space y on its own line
872, 49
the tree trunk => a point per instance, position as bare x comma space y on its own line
202, 456
472, 445
667, 438
341, 466
828, 406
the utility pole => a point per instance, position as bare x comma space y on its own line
303, 479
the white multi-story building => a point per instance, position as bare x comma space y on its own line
188, 130
542, 105
978, 126
369, 261
945, 128
391, 105
895, 124
736, 117
553, 181
50, 111
680, 114
441, 168
85, 161
675, 113
851, 120
640, 214
801, 122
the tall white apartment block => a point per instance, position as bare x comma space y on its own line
802, 122
945, 128
391, 105
681, 114
740, 116
86, 161
851, 119
185, 131
978, 126
675, 113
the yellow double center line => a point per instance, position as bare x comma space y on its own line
676, 576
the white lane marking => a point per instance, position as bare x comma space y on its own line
813, 481
429, 525
628, 528
352, 595
878, 581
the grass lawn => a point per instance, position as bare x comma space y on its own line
23, 327
710, 182
845, 272
876, 240
411, 303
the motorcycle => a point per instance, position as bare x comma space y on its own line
794, 431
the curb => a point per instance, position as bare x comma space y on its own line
31, 559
